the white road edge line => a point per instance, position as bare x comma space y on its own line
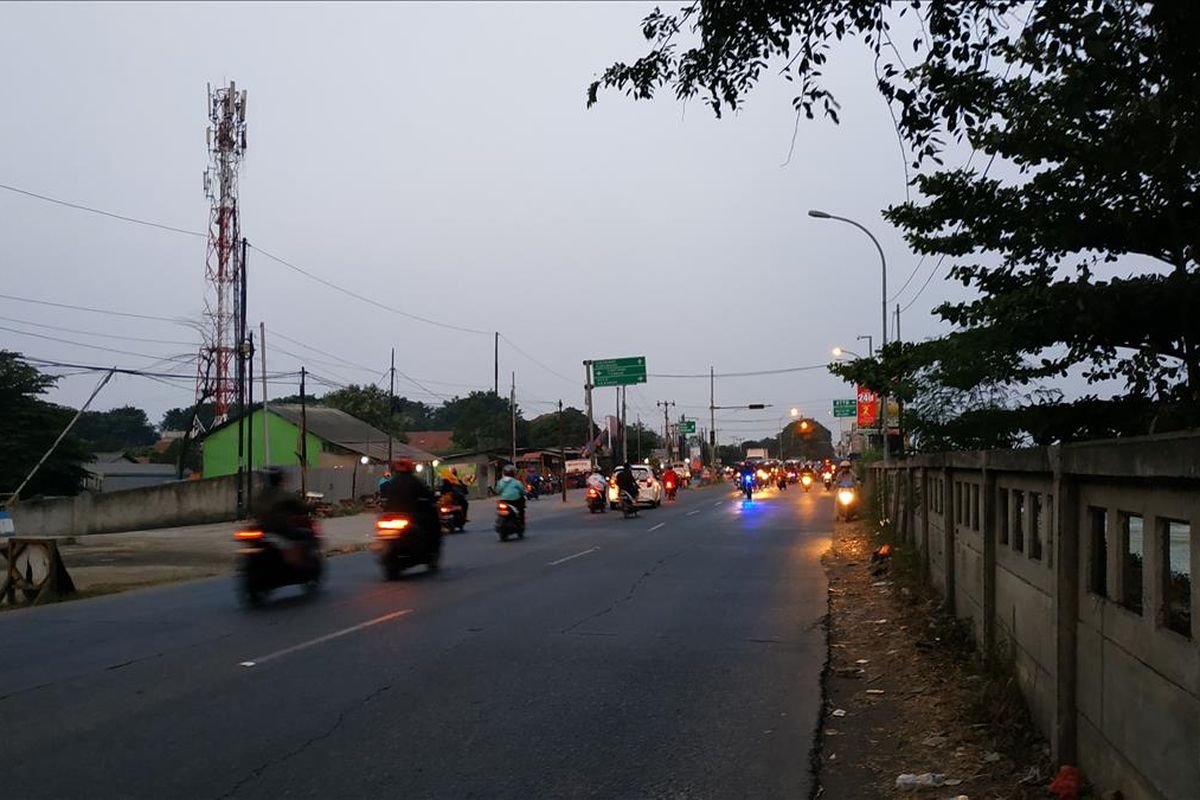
568, 558
719, 503
690, 513
659, 525
255, 662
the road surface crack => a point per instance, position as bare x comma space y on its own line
307, 743
628, 595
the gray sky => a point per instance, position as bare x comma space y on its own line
440, 158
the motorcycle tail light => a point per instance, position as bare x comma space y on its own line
502, 508
391, 527
248, 535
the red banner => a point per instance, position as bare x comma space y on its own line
868, 408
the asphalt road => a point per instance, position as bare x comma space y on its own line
676, 655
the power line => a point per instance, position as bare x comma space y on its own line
740, 374
364, 298
91, 210
556, 373
96, 333
92, 310
75, 343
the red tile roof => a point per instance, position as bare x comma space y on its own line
436, 442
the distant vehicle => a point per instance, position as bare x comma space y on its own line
756, 454
684, 470
650, 491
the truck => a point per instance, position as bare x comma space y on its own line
756, 454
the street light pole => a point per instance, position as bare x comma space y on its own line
816, 214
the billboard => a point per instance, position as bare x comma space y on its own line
868, 408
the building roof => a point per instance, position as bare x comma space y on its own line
349, 432
130, 469
432, 441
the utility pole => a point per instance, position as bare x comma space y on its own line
512, 407
391, 405
624, 425
496, 361
587, 389
712, 416
249, 422
262, 347
303, 440
562, 451
639, 435
666, 407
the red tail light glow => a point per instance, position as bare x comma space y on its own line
248, 536
391, 527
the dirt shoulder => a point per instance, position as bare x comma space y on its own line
906, 694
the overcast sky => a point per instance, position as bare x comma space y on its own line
440, 158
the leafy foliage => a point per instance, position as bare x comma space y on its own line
30, 428
483, 420
118, 429
1091, 107
544, 430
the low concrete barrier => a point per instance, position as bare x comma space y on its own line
1077, 562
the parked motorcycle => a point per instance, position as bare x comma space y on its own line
401, 544
508, 521
595, 500
270, 561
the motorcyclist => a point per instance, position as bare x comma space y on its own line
845, 475
405, 493
512, 491
596, 481
670, 478
276, 510
453, 485
626, 482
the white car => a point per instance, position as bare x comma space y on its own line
650, 491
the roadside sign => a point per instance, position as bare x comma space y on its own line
868, 408
619, 371
687, 426
845, 408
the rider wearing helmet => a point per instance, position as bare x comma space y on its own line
276, 506
405, 493
511, 490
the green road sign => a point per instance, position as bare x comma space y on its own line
619, 371
845, 408
687, 426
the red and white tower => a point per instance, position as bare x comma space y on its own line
215, 374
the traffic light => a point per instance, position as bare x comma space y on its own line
805, 426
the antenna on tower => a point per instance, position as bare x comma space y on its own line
226, 141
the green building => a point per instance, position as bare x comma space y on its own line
335, 440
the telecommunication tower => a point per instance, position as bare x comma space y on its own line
223, 299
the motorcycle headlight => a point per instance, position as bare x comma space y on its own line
845, 496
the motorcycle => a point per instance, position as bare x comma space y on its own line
401, 544
531, 491
508, 521
269, 562
847, 503
781, 483
827, 478
671, 489
595, 500
806, 481
451, 514
748, 485
628, 505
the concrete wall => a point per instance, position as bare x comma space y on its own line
181, 503
1115, 688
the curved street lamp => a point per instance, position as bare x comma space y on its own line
817, 214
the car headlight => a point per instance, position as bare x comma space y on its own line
845, 496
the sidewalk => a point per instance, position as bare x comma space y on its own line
112, 562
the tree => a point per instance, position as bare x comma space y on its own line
30, 427
1092, 106
544, 430
370, 404
180, 419
118, 429
483, 420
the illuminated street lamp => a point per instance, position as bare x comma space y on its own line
817, 214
